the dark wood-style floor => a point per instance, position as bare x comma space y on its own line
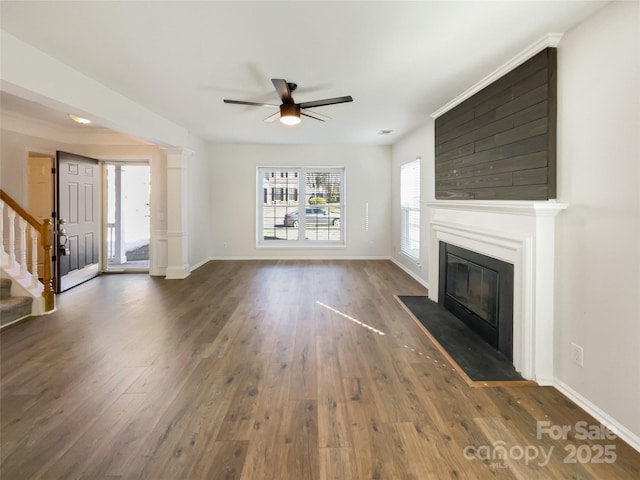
254, 370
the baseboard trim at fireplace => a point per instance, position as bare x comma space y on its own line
600, 415
454, 363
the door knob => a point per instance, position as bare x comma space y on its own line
62, 221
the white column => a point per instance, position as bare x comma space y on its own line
543, 295
177, 241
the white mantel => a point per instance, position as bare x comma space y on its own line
521, 233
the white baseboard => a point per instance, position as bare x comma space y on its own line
612, 424
210, 259
177, 273
192, 268
545, 381
411, 274
303, 257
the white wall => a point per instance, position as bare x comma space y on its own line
199, 203
598, 237
233, 187
419, 143
14, 151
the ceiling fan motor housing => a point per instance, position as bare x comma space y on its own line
289, 109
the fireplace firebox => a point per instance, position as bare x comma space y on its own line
479, 291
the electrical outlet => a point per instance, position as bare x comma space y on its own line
577, 353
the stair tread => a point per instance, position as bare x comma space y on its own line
12, 308
10, 302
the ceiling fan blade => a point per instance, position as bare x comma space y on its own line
272, 118
254, 104
326, 101
282, 87
314, 115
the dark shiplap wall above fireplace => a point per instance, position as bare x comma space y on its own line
500, 144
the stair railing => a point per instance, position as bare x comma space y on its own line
14, 256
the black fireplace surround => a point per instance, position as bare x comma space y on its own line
479, 291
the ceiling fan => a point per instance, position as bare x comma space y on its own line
290, 111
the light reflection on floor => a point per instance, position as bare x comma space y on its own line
348, 317
379, 332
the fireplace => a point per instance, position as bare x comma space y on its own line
478, 289
520, 233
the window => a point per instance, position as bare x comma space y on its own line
300, 206
410, 209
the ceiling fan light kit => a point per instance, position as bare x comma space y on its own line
289, 114
289, 110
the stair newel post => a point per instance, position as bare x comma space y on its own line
22, 224
34, 256
46, 233
12, 237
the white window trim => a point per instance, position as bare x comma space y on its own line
299, 244
405, 213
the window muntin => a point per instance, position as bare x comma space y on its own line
300, 206
410, 209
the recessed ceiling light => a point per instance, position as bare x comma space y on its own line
385, 132
78, 119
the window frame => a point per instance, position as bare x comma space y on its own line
300, 175
410, 206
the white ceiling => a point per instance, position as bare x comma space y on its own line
399, 60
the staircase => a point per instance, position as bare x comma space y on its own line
25, 243
12, 308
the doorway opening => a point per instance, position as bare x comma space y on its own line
127, 233
39, 196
